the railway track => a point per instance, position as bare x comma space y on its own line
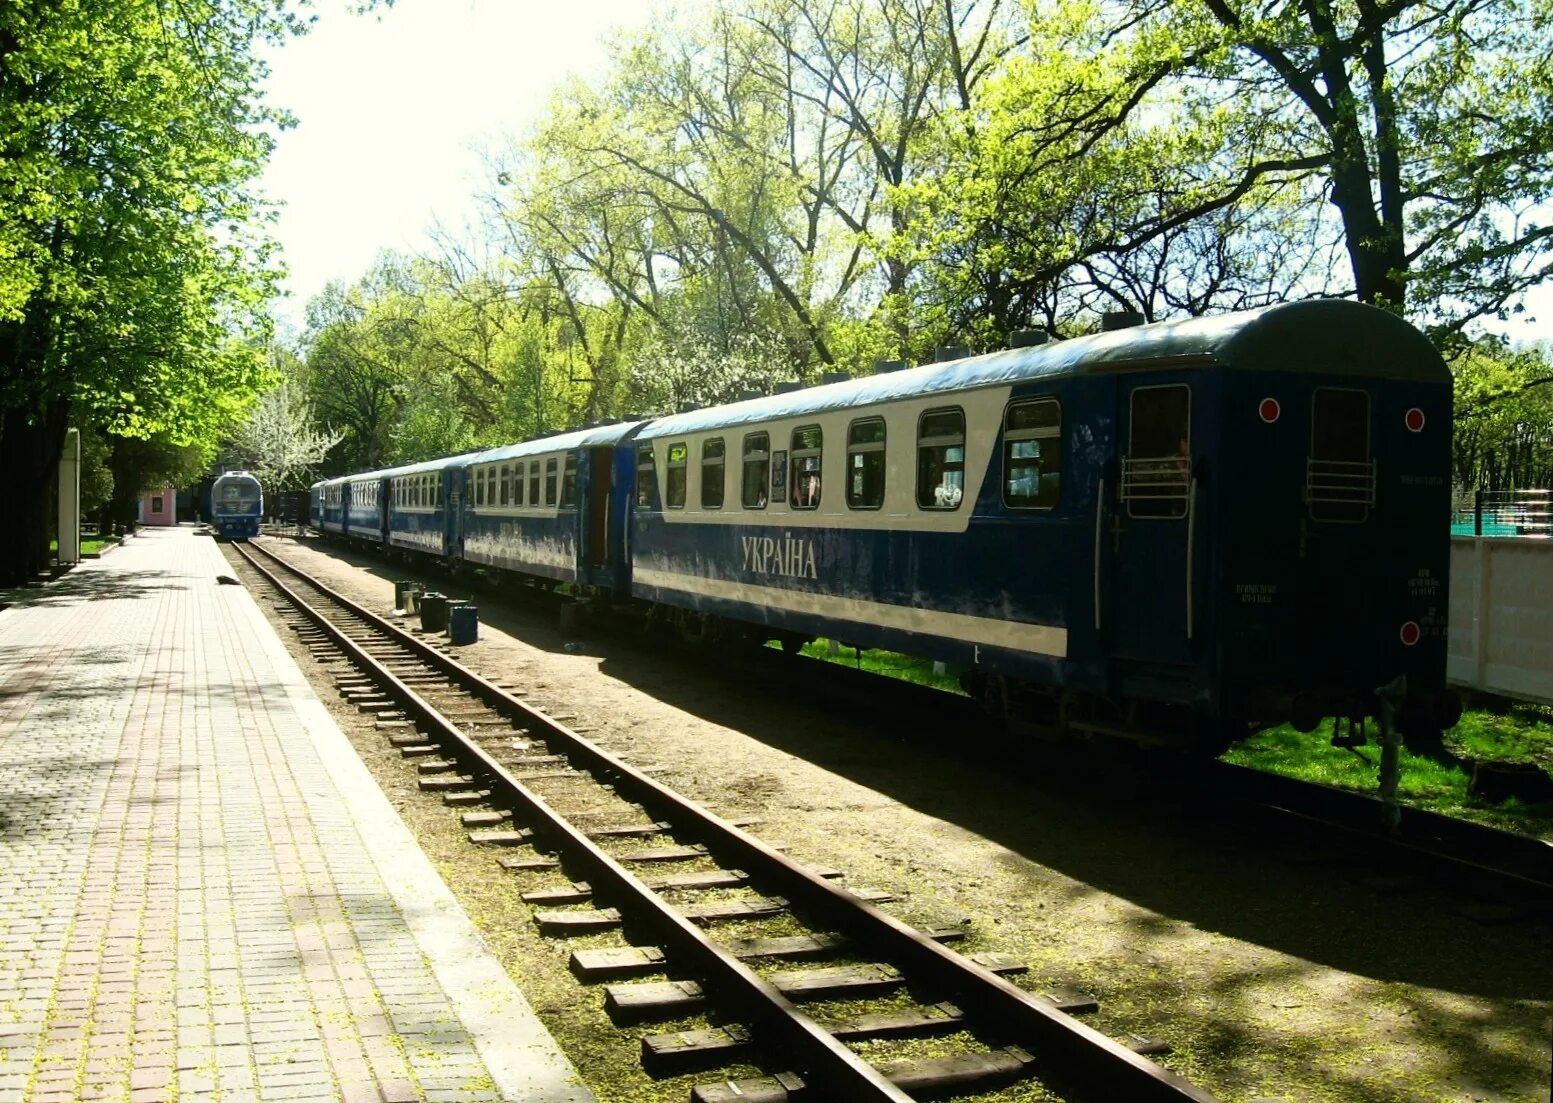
561, 806
1506, 875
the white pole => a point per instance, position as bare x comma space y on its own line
70, 499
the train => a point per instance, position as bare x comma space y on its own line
1177, 533
236, 504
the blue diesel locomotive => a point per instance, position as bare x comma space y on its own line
236, 504
1180, 532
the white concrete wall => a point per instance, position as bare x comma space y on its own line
1501, 616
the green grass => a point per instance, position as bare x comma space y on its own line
1523, 734
908, 668
88, 544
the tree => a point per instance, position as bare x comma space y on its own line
358, 348
1503, 430
690, 373
143, 464
1433, 193
279, 440
131, 278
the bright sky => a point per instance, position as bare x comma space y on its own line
395, 109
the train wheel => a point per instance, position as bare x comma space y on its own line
1424, 737
994, 698
697, 628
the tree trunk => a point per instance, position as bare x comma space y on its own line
29, 455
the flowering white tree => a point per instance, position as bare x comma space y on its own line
673, 372
279, 439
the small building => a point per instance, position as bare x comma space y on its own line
159, 507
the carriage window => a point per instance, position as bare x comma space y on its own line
1157, 472
941, 459
808, 451
757, 470
551, 467
1032, 454
644, 475
569, 482
712, 474
865, 463
1339, 477
533, 482
678, 473
505, 496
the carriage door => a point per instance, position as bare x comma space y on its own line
452, 514
1153, 527
600, 475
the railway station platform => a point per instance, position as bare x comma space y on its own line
203, 893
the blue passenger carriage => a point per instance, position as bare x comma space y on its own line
236, 505
424, 501
366, 506
331, 497
1193, 528
315, 505
550, 508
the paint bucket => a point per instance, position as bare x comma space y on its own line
402, 590
434, 612
412, 599
463, 623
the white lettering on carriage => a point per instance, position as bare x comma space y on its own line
780, 555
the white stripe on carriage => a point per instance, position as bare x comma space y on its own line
430, 539
505, 550
1037, 639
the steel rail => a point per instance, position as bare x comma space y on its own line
1065, 1047
816, 1055
1521, 864
1452, 849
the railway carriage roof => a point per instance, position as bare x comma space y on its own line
577, 438
1325, 336
367, 476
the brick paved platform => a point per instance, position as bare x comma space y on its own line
203, 894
